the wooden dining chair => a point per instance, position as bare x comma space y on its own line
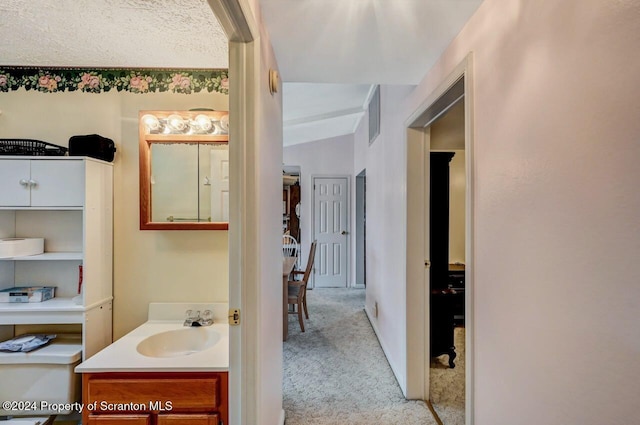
298, 288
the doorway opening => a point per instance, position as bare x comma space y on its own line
440, 253
446, 229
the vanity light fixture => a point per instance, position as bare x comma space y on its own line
185, 125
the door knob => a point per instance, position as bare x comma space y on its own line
344, 232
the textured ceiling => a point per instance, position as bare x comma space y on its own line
111, 33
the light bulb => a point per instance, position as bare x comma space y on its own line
151, 122
224, 123
175, 122
203, 122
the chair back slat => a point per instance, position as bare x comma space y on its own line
312, 256
290, 247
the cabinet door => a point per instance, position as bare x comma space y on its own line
57, 183
14, 175
189, 419
119, 419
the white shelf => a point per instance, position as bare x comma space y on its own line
49, 256
54, 304
55, 310
28, 208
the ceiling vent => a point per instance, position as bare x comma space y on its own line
374, 115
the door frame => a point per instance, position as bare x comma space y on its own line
245, 400
313, 222
360, 231
417, 146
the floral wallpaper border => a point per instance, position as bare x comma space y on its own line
98, 80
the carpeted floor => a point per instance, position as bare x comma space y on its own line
335, 373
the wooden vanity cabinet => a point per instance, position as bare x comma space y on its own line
188, 419
118, 419
155, 398
161, 419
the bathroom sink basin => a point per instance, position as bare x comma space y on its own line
178, 342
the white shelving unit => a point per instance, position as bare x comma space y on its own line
68, 201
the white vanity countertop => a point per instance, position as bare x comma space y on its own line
122, 355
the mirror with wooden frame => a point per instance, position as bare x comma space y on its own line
184, 170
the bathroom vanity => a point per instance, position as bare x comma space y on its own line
164, 372
162, 398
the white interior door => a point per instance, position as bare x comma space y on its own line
331, 227
220, 183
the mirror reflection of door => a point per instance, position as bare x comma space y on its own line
219, 193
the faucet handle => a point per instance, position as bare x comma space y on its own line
188, 314
207, 318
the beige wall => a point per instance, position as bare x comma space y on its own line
148, 265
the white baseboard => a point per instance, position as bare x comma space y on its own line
399, 377
281, 421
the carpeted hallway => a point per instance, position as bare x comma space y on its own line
336, 373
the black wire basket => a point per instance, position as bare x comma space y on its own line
30, 147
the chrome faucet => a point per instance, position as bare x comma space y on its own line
195, 319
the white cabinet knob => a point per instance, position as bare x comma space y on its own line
33, 183
24, 182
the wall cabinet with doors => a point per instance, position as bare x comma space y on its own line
68, 201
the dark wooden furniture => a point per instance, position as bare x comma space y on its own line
443, 298
298, 288
291, 198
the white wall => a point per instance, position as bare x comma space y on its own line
384, 161
268, 175
149, 266
556, 210
329, 157
264, 169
